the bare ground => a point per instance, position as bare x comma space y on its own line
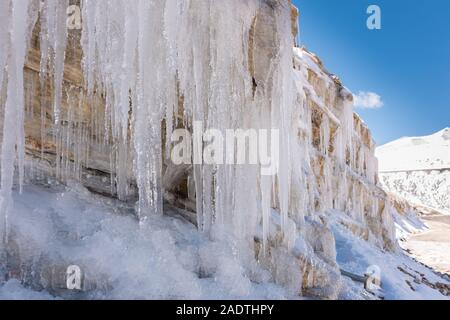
432, 247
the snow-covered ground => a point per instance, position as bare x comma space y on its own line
168, 258
401, 277
418, 170
14, 290
432, 247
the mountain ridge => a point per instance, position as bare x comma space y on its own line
418, 169
413, 153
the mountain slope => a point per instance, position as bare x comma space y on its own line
416, 153
418, 169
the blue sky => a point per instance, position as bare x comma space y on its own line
407, 62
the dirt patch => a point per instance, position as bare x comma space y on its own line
432, 247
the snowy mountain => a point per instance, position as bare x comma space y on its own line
418, 169
416, 153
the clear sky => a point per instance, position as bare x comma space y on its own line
406, 63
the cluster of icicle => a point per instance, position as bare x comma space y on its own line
142, 55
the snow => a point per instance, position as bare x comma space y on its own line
428, 189
166, 259
416, 153
356, 256
406, 225
418, 169
13, 290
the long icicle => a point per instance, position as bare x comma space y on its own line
13, 131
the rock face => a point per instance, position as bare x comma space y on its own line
343, 151
335, 169
78, 147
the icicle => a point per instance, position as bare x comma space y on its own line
13, 131
143, 58
194, 48
60, 54
147, 138
4, 27
88, 42
53, 40
172, 13
325, 135
348, 126
342, 188
284, 89
265, 209
53, 45
328, 188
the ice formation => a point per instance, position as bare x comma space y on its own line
141, 56
17, 33
152, 66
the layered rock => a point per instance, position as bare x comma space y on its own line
78, 147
